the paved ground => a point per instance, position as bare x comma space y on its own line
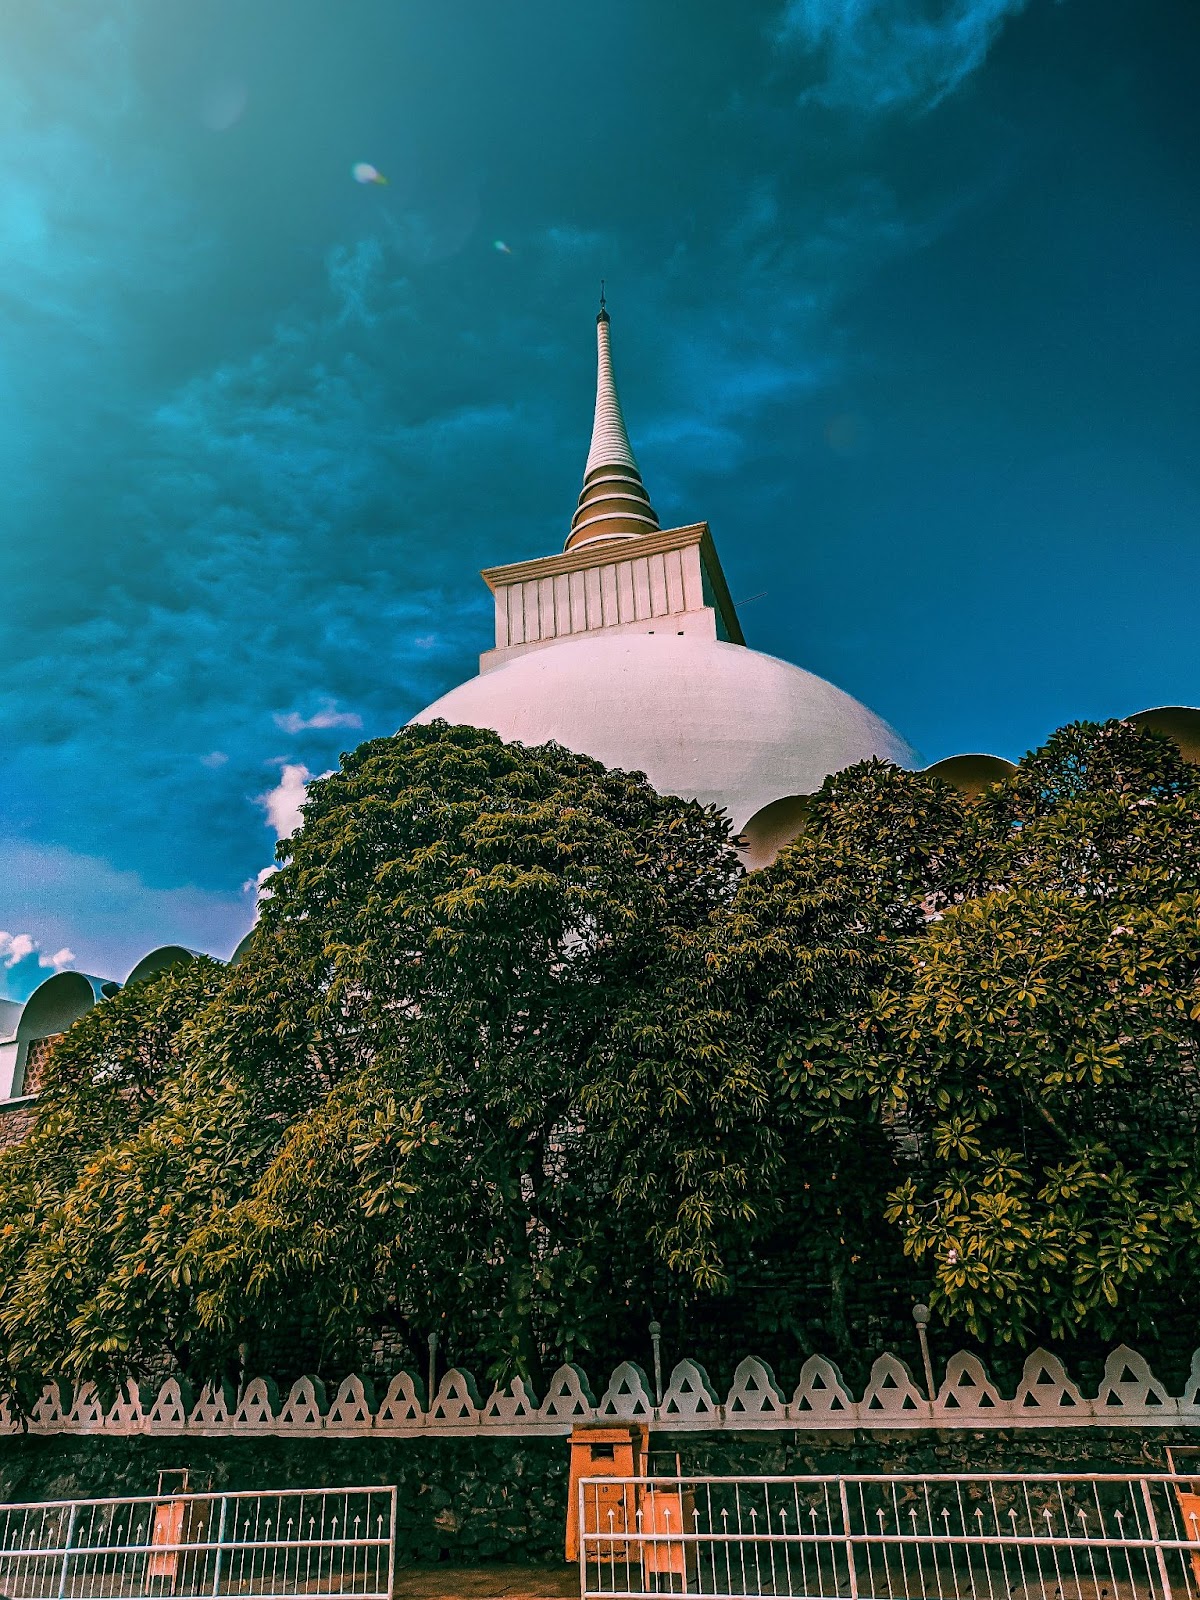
439, 1582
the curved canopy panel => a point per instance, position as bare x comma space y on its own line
1180, 724
771, 828
10, 1015
972, 774
156, 961
243, 946
61, 1000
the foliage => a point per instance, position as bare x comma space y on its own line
379, 1122
1050, 1036
123, 1153
518, 1053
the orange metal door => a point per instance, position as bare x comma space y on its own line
671, 1512
168, 1530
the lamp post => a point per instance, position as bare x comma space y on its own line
656, 1341
433, 1344
920, 1315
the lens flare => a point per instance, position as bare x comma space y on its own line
364, 172
504, 249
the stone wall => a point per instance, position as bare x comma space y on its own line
16, 1119
476, 1500
463, 1500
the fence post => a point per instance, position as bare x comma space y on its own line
583, 1589
853, 1574
1152, 1522
62, 1577
391, 1587
216, 1588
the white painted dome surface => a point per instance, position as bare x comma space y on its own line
700, 718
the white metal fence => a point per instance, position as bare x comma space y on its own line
904, 1537
335, 1543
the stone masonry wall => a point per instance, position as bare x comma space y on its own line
477, 1500
15, 1122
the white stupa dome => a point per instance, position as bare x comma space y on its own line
699, 717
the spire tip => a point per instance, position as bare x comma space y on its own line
614, 503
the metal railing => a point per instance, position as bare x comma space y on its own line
1002, 1536
335, 1543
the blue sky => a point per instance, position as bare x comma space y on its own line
904, 300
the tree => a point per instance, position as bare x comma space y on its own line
1049, 1028
93, 1205
802, 956
379, 1115
455, 943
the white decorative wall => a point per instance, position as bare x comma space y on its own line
1129, 1395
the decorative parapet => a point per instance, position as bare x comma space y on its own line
1129, 1395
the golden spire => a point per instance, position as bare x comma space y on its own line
614, 504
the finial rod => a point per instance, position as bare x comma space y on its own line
602, 294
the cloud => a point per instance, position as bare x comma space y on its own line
15, 947
214, 759
260, 886
283, 803
327, 717
886, 55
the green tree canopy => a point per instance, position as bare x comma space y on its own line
379, 1118
518, 1053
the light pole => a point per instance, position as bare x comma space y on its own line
656, 1341
433, 1344
920, 1315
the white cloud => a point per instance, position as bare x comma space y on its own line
260, 886
882, 55
18, 947
214, 759
15, 947
327, 717
282, 803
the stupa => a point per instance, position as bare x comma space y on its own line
627, 647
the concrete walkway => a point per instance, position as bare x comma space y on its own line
438, 1582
